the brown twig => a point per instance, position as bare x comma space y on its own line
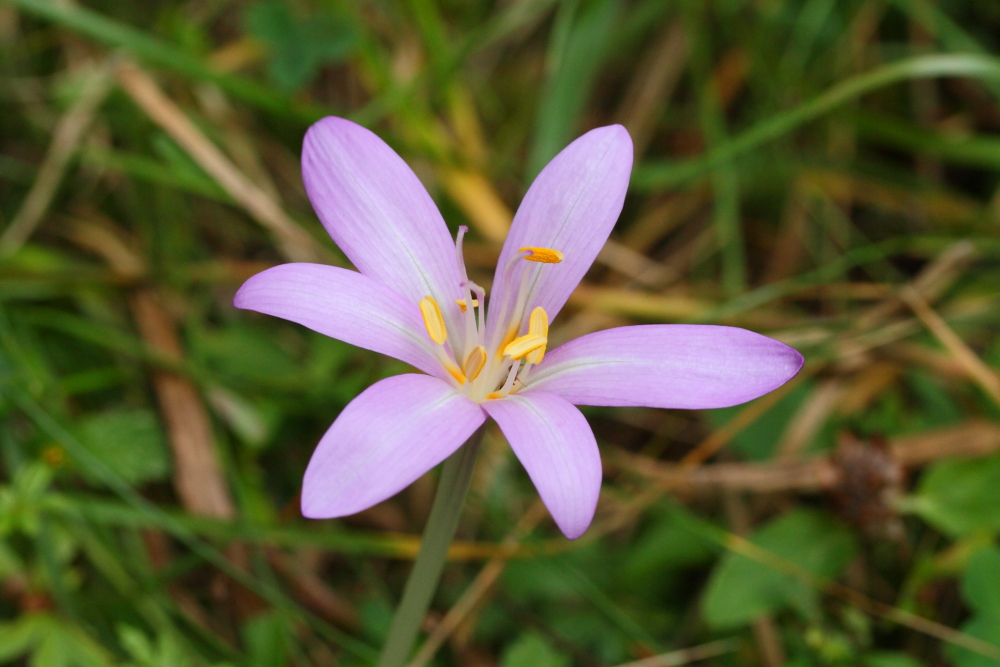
813, 474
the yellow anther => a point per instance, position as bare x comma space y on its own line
474, 364
539, 326
523, 345
546, 255
433, 320
461, 304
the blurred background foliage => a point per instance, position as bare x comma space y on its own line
821, 171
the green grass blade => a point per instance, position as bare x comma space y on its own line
653, 175
162, 54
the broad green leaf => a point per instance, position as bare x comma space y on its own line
981, 590
130, 442
741, 590
664, 547
532, 650
959, 496
298, 45
17, 637
981, 583
165, 652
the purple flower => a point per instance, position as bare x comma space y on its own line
413, 300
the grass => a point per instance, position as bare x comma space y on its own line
824, 172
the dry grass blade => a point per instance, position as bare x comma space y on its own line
722, 436
687, 655
479, 201
978, 371
65, 140
932, 281
294, 242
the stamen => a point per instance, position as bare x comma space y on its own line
539, 326
463, 306
545, 255
501, 314
449, 365
474, 364
519, 347
507, 386
433, 320
528, 277
455, 373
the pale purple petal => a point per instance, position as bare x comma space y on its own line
344, 305
667, 366
555, 445
379, 213
571, 207
387, 437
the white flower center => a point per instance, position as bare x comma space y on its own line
485, 370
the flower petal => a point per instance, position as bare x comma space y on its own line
387, 437
571, 207
554, 443
378, 212
667, 366
344, 305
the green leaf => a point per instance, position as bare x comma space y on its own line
981, 590
664, 547
531, 650
267, 641
17, 637
568, 89
757, 440
298, 45
890, 659
246, 355
120, 35
741, 590
981, 583
959, 497
130, 442
651, 176
166, 652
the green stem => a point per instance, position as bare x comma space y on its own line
440, 530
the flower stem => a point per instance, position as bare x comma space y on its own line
441, 525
